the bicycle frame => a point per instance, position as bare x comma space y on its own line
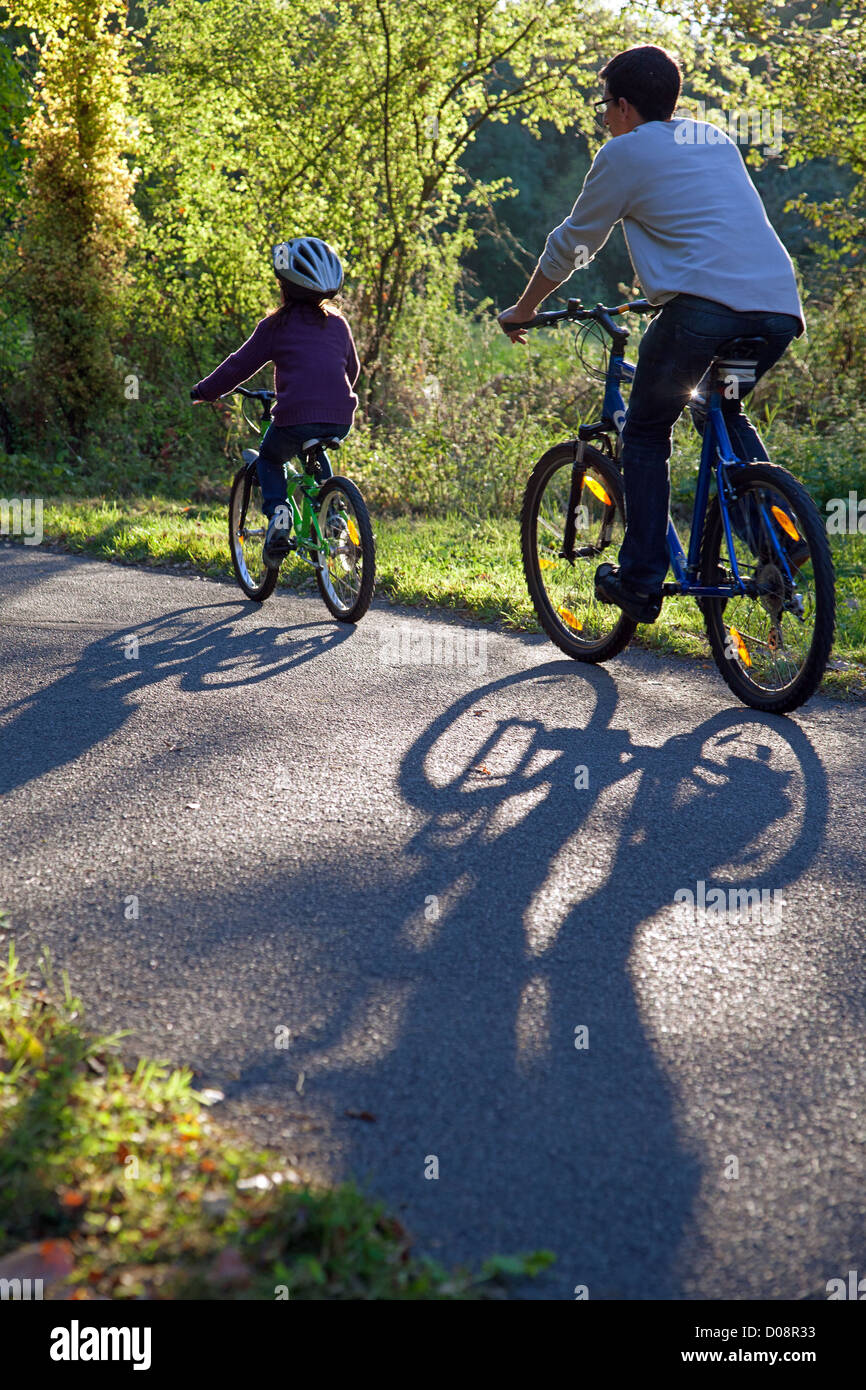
308, 539
305, 520
716, 455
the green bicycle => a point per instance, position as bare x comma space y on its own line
331, 528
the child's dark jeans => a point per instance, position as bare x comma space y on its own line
281, 443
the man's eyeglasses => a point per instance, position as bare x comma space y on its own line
600, 107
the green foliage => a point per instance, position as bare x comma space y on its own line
13, 106
807, 62
77, 220
821, 71
264, 121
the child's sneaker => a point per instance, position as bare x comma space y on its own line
276, 546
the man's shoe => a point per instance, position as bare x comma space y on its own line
276, 546
609, 588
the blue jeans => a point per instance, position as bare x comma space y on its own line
281, 443
674, 355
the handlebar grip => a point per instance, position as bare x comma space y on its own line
540, 320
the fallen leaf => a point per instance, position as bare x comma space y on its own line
210, 1096
32, 1046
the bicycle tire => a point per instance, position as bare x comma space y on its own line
239, 504
365, 544
801, 688
559, 633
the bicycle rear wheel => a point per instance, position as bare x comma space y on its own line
772, 643
246, 541
563, 590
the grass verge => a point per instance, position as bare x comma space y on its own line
468, 564
122, 1185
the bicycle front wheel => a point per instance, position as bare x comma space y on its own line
773, 642
560, 556
345, 573
247, 530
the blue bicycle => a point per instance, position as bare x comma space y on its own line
758, 561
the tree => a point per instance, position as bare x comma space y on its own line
265, 122
77, 222
808, 63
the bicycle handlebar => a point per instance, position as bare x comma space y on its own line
261, 395
574, 312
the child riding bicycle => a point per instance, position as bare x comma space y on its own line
315, 370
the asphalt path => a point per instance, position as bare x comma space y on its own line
414, 896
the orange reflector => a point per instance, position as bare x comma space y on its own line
568, 616
354, 535
786, 523
597, 490
546, 564
742, 649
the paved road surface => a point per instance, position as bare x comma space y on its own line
379, 841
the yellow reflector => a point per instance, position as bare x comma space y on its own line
597, 490
742, 649
786, 523
546, 564
354, 535
568, 616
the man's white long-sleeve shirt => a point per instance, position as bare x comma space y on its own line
693, 220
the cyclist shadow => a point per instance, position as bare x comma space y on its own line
572, 1137
59, 722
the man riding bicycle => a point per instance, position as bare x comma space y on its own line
702, 248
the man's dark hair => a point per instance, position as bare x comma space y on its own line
646, 76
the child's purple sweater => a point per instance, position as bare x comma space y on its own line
315, 367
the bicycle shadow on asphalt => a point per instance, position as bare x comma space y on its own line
616, 1174
60, 722
515, 929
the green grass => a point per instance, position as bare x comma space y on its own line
129, 1184
468, 564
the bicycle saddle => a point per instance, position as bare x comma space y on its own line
744, 349
329, 443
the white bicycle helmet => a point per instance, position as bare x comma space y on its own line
309, 267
